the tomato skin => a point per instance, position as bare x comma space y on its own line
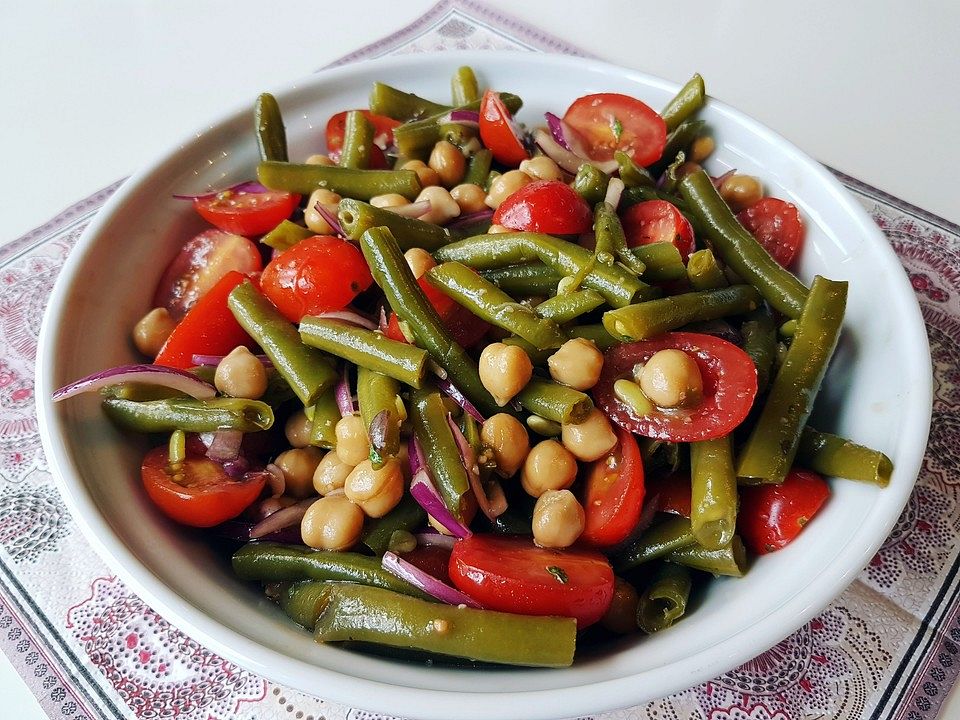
653, 221
383, 127
317, 275
208, 329
464, 327
208, 496
497, 133
771, 516
509, 574
672, 494
729, 388
776, 224
245, 213
613, 499
595, 118
546, 206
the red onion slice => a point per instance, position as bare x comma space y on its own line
214, 360
384, 324
567, 159
247, 187
471, 219
277, 480
281, 519
350, 316
225, 445
425, 493
435, 539
557, 129
343, 395
718, 181
462, 117
412, 210
172, 378
331, 218
404, 570
490, 497
453, 392
239, 531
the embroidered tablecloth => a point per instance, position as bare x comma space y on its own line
89, 648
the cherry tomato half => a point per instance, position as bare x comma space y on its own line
771, 516
464, 327
608, 122
498, 133
671, 494
729, 387
776, 225
658, 221
511, 574
546, 206
382, 129
247, 213
199, 493
613, 498
317, 275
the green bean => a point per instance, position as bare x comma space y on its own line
670, 177
788, 329
429, 417
677, 142
271, 135
407, 515
491, 176
478, 169
177, 450
591, 183
729, 560
665, 600
662, 262
303, 601
631, 394
713, 504
400, 105
357, 141
323, 423
760, 342
308, 371
379, 398
703, 271
772, 445
564, 308
738, 249
831, 455
530, 279
555, 402
285, 235
537, 357
463, 136
378, 616
611, 240
685, 103
357, 217
140, 393
366, 348
658, 541
632, 174
190, 415
650, 318
544, 427
597, 334
419, 136
464, 87
393, 275
359, 184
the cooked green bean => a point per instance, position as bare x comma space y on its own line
564, 308
357, 217
631, 394
670, 178
419, 136
429, 417
665, 600
650, 318
704, 272
303, 601
738, 249
760, 342
491, 176
400, 105
463, 136
357, 141
632, 174
597, 334
730, 560
544, 427
478, 169
662, 262
555, 402
190, 415
591, 183
685, 103
308, 371
713, 500
832, 455
677, 142
379, 398
611, 242
537, 357
464, 87
788, 329
657, 541
366, 614
530, 279
772, 445
407, 515
359, 184
285, 235
271, 134
323, 423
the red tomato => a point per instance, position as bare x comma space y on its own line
546, 206
247, 213
202, 262
671, 494
776, 225
199, 493
382, 130
208, 329
658, 221
317, 275
497, 131
613, 498
511, 574
465, 327
729, 387
771, 516
608, 122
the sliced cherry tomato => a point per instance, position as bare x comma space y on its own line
776, 225
511, 574
729, 387
771, 516
201, 263
317, 275
658, 221
613, 498
208, 329
382, 130
247, 213
498, 133
464, 327
546, 206
607, 122
198, 493
671, 494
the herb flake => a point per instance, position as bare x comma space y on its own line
558, 573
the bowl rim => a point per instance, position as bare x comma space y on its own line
438, 704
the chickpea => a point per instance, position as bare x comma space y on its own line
469, 197
419, 261
621, 616
741, 191
507, 438
241, 374
504, 371
548, 466
353, 445
558, 519
332, 523
377, 492
320, 160
297, 429
671, 378
428, 176
389, 200
298, 466
315, 220
701, 148
443, 207
542, 168
497, 229
449, 163
331, 474
591, 439
506, 185
577, 364
152, 331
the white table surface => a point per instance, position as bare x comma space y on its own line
92, 91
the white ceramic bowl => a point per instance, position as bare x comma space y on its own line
878, 392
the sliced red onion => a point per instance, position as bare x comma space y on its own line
718, 181
214, 360
614, 191
281, 519
462, 117
425, 493
404, 570
384, 324
352, 317
172, 378
239, 531
378, 430
453, 392
490, 497
334, 155
277, 480
343, 395
331, 217
435, 539
237, 468
566, 159
557, 129
225, 445
471, 219
247, 187
412, 210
